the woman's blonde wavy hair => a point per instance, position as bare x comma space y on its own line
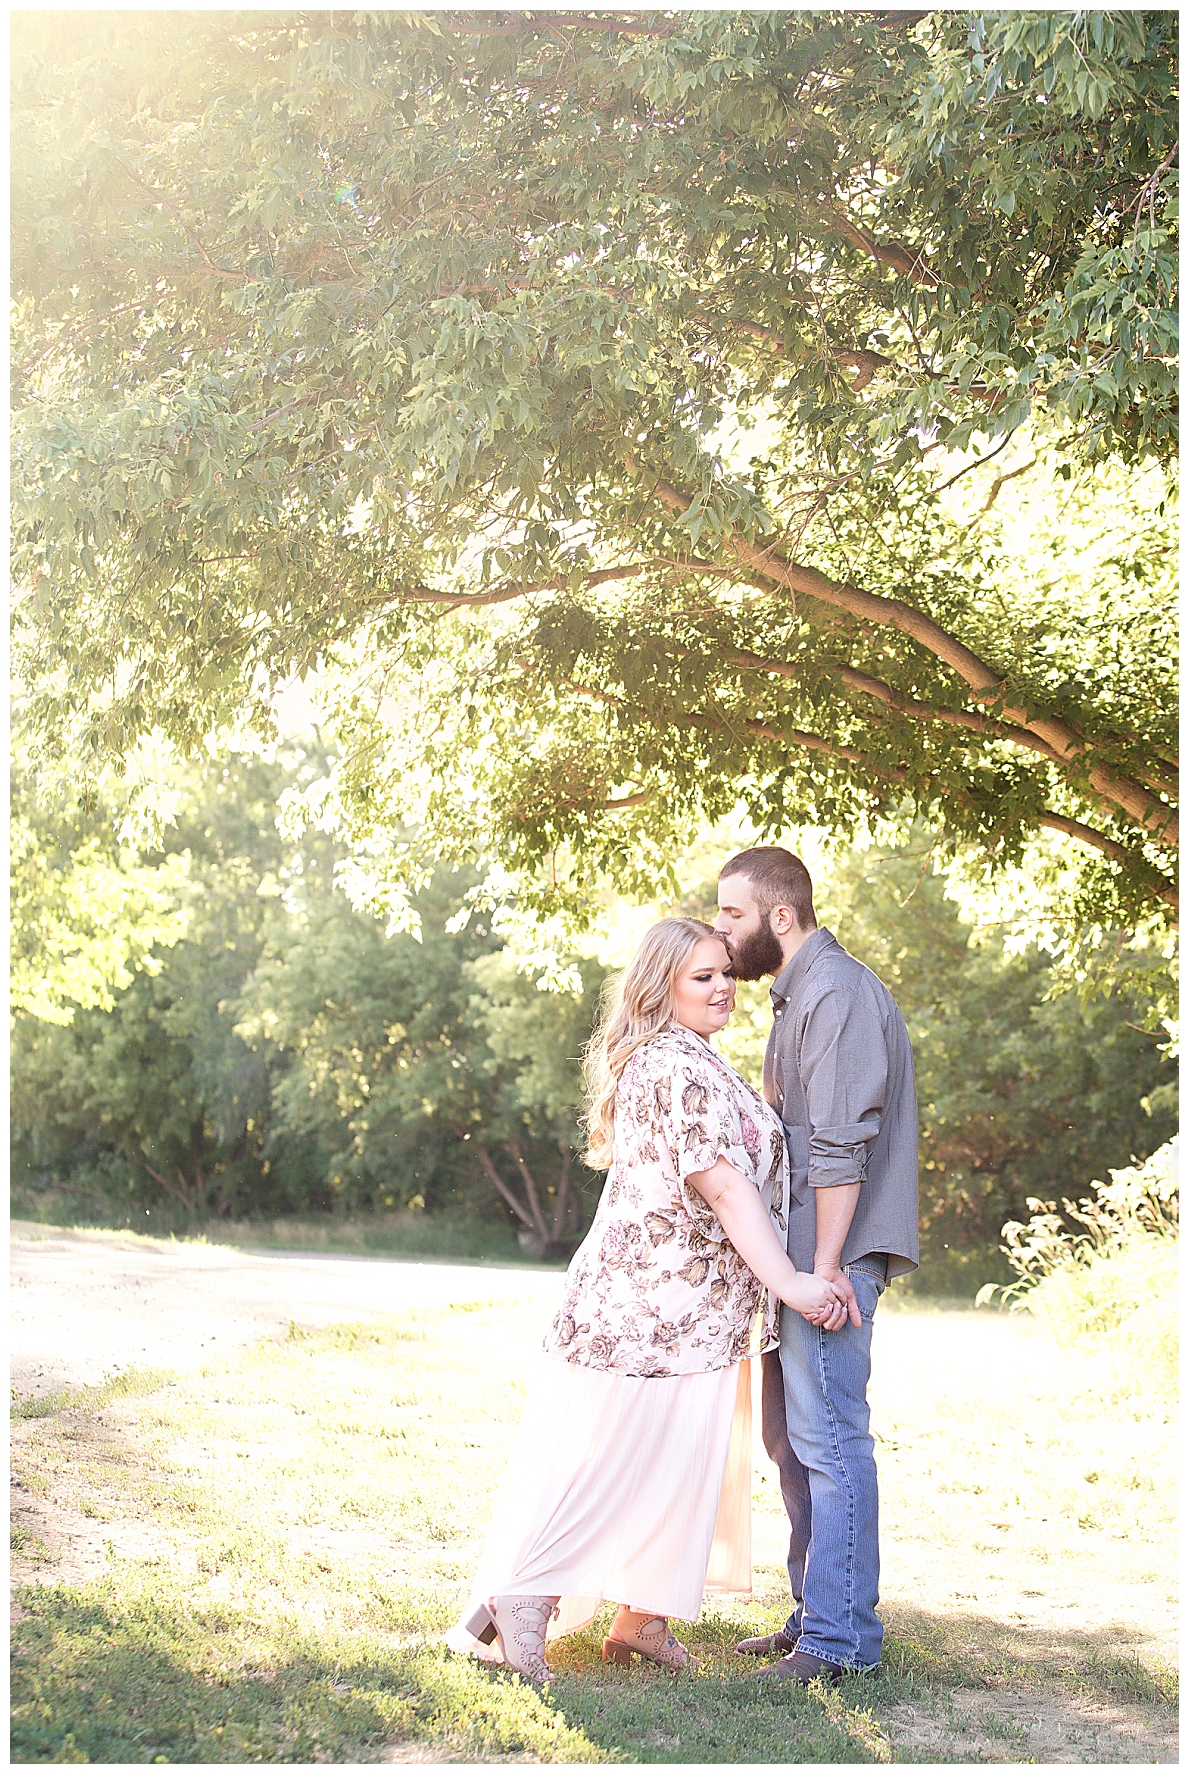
637, 1007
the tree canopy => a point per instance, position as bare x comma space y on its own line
582, 390
84, 914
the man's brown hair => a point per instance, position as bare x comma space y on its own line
777, 878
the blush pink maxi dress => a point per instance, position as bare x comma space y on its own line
629, 1479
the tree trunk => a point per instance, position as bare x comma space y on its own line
562, 1205
537, 1234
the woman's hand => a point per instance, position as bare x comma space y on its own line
744, 1218
818, 1301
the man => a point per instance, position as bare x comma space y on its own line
838, 1070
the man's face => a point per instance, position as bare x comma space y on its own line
752, 943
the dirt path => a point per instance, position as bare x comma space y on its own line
86, 1306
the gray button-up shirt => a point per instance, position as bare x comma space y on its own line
838, 1071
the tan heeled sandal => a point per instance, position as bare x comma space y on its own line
654, 1641
520, 1623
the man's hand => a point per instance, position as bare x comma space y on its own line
829, 1318
818, 1301
840, 1282
827, 1309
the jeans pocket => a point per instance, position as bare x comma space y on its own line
868, 1286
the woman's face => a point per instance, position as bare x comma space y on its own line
704, 992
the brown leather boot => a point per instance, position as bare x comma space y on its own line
772, 1644
800, 1667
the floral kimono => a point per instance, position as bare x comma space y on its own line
656, 1289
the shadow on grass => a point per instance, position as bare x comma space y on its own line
154, 1677
971, 1650
713, 1712
158, 1680
719, 1715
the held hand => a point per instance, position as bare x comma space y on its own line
818, 1301
830, 1318
844, 1291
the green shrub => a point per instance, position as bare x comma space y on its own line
1113, 1282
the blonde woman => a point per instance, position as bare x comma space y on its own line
630, 1477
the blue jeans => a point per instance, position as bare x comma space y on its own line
816, 1429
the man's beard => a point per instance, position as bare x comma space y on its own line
758, 954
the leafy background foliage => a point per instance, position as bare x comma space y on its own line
622, 424
285, 1056
331, 323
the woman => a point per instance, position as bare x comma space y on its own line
630, 1478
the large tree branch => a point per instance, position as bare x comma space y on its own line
863, 684
509, 589
1048, 736
859, 358
1164, 781
983, 725
987, 685
1073, 828
1163, 774
884, 252
758, 730
858, 681
814, 742
852, 357
1156, 883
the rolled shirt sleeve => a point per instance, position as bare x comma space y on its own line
844, 1073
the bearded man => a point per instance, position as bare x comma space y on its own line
838, 1070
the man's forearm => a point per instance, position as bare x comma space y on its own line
835, 1211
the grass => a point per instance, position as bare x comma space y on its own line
254, 1563
425, 1237
1103, 1276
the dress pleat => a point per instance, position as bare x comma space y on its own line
623, 1489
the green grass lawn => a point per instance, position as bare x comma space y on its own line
254, 1563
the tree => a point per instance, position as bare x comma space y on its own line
330, 324
533, 1041
149, 1101
285, 1054
85, 915
397, 1081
